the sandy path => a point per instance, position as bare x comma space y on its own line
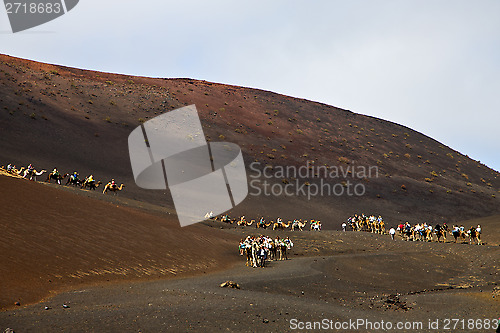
303, 288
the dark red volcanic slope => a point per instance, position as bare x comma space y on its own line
75, 119
56, 240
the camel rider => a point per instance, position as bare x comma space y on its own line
29, 171
55, 172
9, 168
113, 184
90, 179
75, 175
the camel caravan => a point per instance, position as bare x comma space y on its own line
279, 224
425, 232
418, 232
259, 249
25, 172
366, 223
72, 179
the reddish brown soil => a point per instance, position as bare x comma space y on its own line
91, 255
54, 240
77, 244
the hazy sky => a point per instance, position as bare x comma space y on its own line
433, 66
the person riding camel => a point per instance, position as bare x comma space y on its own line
89, 181
112, 183
54, 172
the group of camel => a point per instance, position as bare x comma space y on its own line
425, 232
417, 232
279, 224
473, 233
259, 249
366, 223
26, 173
73, 179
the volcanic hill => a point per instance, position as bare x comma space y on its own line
72, 119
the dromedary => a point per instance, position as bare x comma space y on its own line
298, 224
92, 185
112, 187
56, 177
31, 175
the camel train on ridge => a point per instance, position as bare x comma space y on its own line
73, 179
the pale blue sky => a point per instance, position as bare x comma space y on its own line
433, 66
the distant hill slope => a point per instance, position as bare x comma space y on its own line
80, 120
